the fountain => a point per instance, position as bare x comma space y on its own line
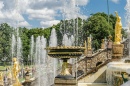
117, 71
65, 53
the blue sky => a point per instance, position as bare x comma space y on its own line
45, 13
101, 6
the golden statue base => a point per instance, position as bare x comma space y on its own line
117, 50
65, 73
63, 82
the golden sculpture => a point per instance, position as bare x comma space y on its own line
103, 44
85, 46
1, 79
89, 43
118, 28
109, 38
16, 69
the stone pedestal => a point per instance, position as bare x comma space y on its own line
117, 50
89, 53
63, 82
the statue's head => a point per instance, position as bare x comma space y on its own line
119, 19
109, 37
14, 59
102, 40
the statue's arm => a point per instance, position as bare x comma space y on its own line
116, 14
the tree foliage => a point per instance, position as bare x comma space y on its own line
5, 41
97, 25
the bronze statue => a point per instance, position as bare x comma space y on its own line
118, 28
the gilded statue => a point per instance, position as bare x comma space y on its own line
103, 44
1, 79
118, 28
85, 46
89, 43
16, 69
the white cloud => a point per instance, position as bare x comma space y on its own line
42, 14
82, 2
13, 18
115, 1
1, 5
45, 11
9, 13
23, 24
49, 23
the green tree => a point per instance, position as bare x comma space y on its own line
5, 41
98, 26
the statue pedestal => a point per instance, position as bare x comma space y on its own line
117, 50
63, 82
89, 54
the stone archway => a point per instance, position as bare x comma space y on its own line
98, 63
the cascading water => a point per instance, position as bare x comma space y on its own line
37, 56
16, 47
65, 40
32, 52
127, 20
53, 61
19, 49
127, 8
53, 38
68, 41
13, 45
41, 62
46, 67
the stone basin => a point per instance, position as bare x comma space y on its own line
118, 66
65, 51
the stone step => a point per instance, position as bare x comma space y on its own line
98, 77
92, 84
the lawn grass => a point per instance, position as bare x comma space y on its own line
2, 67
